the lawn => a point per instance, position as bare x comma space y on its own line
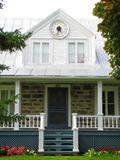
26, 157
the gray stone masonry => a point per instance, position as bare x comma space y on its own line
32, 98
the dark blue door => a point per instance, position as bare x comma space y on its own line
57, 107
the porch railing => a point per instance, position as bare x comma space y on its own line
111, 122
98, 122
87, 121
29, 121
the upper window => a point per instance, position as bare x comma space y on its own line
5, 95
40, 52
76, 52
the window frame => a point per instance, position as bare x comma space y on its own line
86, 51
40, 57
9, 89
115, 90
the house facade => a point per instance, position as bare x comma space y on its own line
69, 101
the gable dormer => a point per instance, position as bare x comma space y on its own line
59, 40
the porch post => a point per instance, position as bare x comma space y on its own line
17, 104
99, 105
75, 132
41, 133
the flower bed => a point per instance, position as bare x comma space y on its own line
8, 151
103, 152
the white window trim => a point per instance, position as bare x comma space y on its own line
86, 51
41, 42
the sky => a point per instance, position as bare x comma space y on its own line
42, 8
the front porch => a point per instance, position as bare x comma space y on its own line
78, 107
61, 140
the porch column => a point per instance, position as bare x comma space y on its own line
75, 133
17, 104
99, 105
41, 133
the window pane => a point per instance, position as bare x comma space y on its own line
36, 52
71, 54
103, 96
104, 113
80, 52
111, 110
45, 52
4, 95
111, 97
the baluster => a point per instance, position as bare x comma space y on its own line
91, 121
117, 122
113, 125
87, 122
29, 121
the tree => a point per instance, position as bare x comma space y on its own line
1, 4
11, 42
109, 13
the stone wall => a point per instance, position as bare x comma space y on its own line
83, 99
32, 98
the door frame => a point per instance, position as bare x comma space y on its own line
69, 101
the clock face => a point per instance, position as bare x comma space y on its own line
59, 29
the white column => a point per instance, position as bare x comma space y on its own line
75, 132
17, 104
99, 105
41, 133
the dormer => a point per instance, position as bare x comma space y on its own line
60, 40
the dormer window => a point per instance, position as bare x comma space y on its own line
40, 52
76, 52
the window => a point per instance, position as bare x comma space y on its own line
4, 95
109, 102
36, 52
76, 52
40, 52
45, 52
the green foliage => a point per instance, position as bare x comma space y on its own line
4, 116
91, 153
1, 4
109, 13
3, 67
12, 41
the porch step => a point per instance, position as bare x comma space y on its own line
54, 153
58, 140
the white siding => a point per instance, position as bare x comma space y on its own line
59, 52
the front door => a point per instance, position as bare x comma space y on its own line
57, 107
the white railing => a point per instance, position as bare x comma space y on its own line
29, 121
94, 121
111, 122
7, 124
86, 121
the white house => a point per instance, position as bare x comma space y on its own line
69, 101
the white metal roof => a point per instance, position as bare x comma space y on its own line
101, 67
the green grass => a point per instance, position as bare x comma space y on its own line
26, 157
